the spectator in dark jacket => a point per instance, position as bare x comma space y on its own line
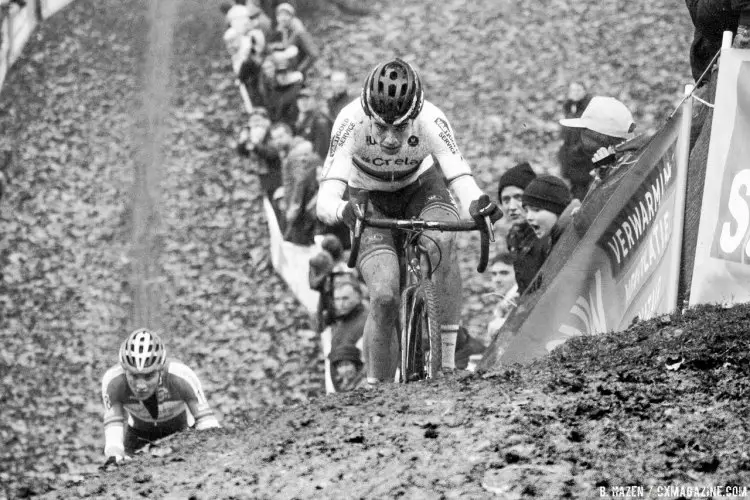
293, 33
710, 19
521, 240
327, 270
254, 142
301, 215
347, 329
605, 124
312, 124
575, 164
549, 210
277, 91
339, 94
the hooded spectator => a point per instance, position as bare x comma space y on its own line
291, 32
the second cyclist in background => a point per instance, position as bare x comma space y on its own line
390, 147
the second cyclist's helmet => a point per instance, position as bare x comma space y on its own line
393, 92
142, 352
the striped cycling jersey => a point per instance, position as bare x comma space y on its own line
178, 391
355, 159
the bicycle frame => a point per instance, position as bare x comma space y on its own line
417, 286
417, 262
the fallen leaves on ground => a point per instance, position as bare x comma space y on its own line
499, 70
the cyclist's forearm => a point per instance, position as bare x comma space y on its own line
114, 439
466, 190
330, 201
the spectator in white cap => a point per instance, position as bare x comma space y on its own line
606, 127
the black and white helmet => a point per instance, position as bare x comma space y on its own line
393, 92
142, 352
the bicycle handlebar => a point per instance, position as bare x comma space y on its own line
485, 230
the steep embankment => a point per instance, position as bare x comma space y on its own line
74, 108
660, 406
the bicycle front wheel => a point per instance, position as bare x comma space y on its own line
421, 354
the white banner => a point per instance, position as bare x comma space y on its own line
292, 262
722, 257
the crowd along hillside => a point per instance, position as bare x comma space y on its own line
73, 107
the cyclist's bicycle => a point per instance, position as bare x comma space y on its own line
418, 316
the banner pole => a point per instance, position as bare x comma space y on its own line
682, 156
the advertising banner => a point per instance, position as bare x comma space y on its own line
613, 263
721, 271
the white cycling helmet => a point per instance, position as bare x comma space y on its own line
142, 352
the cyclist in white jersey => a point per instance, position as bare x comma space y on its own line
147, 397
390, 146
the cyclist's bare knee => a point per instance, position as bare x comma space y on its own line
380, 270
383, 300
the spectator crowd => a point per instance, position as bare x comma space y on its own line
286, 140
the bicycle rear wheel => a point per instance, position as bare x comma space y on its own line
420, 336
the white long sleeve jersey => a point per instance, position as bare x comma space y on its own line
355, 159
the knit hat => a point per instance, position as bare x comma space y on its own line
605, 115
519, 176
285, 7
548, 193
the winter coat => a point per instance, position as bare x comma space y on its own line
710, 19
316, 128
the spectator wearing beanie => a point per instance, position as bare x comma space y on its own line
545, 198
521, 241
549, 209
510, 189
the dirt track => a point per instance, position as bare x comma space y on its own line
597, 414
661, 405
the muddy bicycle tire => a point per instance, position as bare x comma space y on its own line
420, 337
